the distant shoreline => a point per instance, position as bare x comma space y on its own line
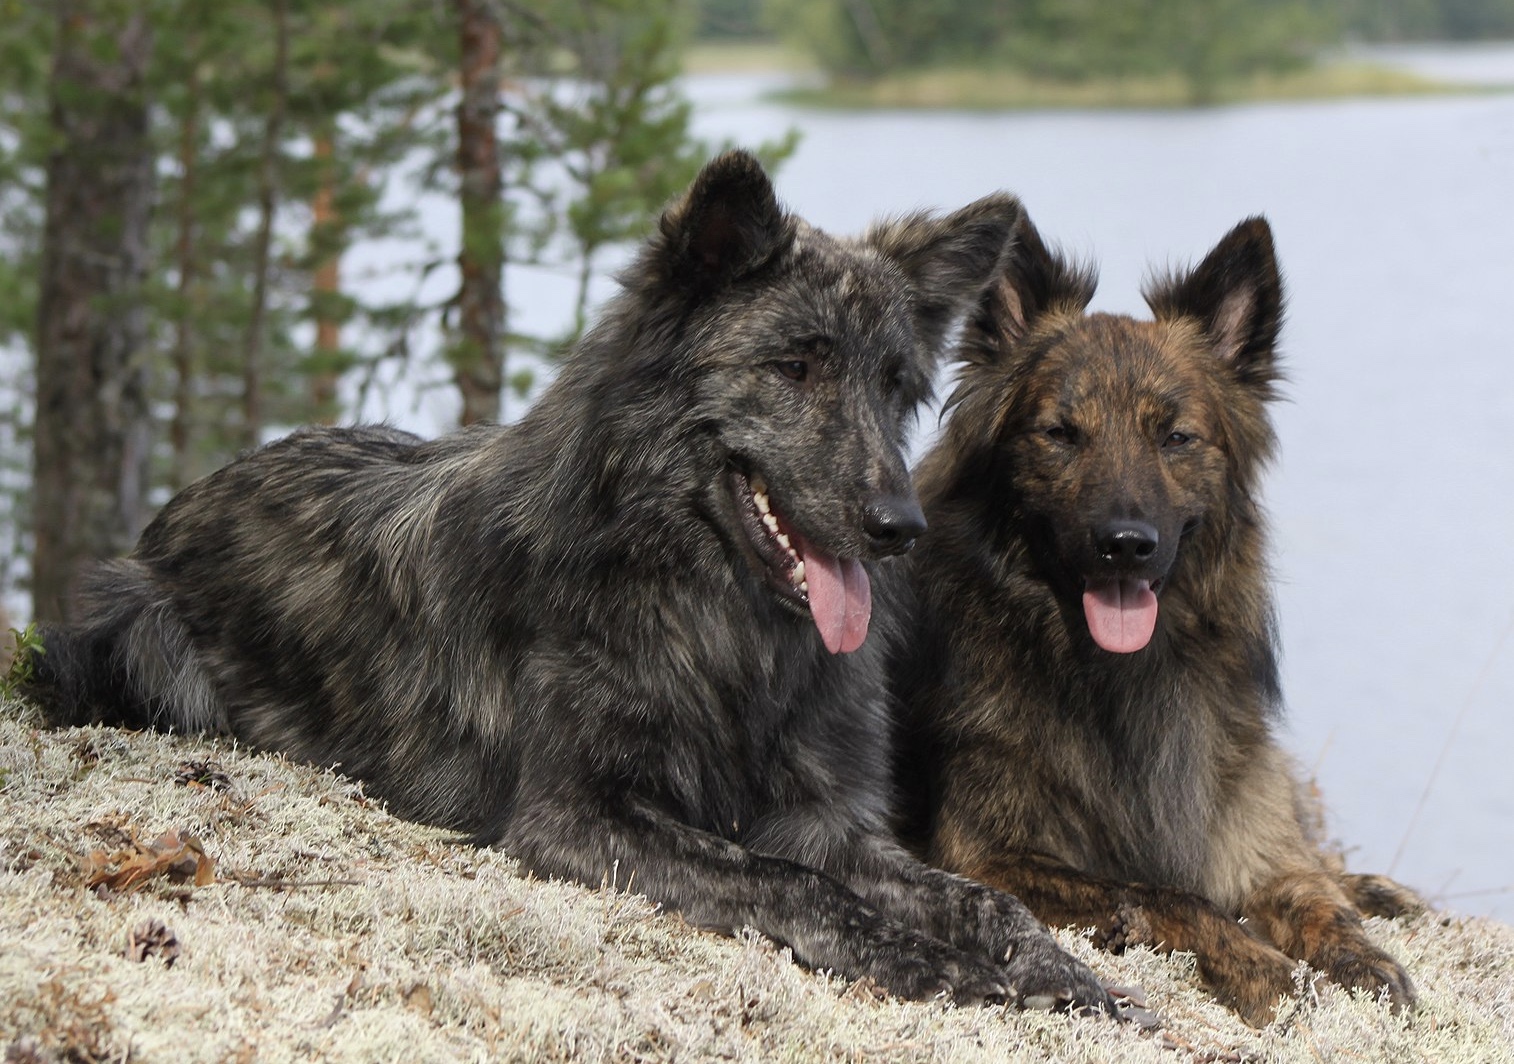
994, 89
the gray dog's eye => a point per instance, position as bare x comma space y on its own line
795, 369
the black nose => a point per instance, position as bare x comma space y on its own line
1126, 543
892, 524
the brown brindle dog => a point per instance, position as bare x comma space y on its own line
1091, 691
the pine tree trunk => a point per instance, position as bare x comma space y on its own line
180, 429
268, 182
477, 347
92, 433
326, 280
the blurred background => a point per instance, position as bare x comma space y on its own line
220, 219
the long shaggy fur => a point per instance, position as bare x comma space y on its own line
1137, 789
572, 638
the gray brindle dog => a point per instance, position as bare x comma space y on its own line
637, 629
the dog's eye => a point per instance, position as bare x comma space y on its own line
1061, 433
1177, 439
795, 369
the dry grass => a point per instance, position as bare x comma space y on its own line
744, 57
327, 930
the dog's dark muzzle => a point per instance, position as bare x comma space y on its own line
892, 524
1126, 545
1128, 548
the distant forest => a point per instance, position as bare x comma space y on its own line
1054, 38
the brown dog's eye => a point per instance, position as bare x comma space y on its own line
1061, 433
795, 369
1177, 439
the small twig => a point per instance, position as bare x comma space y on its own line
341, 1001
1485, 892
1323, 750
1466, 705
1309, 1040
291, 884
312, 855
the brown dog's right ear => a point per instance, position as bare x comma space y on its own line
1236, 296
1035, 281
727, 224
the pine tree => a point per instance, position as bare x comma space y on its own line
275, 129
92, 439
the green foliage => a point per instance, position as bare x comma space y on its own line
350, 85
1205, 41
728, 20
1404, 20
595, 139
26, 40
597, 146
23, 667
619, 131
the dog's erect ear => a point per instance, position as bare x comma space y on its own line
1035, 280
950, 259
727, 224
1236, 295
1038, 280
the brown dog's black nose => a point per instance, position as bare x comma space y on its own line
892, 524
1126, 543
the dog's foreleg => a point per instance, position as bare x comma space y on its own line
1309, 917
973, 916
718, 884
1245, 973
1375, 895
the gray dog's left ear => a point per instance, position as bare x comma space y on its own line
727, 224
950, 259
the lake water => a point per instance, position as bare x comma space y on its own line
1393, 502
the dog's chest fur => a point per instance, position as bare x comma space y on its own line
1119, 766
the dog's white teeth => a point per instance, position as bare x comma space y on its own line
804, 585
760, 500
782, 539
772, 524
798, 576
759, 487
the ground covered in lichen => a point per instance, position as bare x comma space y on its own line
171, 899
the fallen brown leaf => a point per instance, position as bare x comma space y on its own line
418, 997
180, 857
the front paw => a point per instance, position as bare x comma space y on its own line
1253, 982
1044, 976
916, 967
1380, 896
1362, 966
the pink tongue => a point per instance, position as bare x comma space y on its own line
1121, 614
841, 599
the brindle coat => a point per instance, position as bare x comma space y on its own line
580, 637
1138, 789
